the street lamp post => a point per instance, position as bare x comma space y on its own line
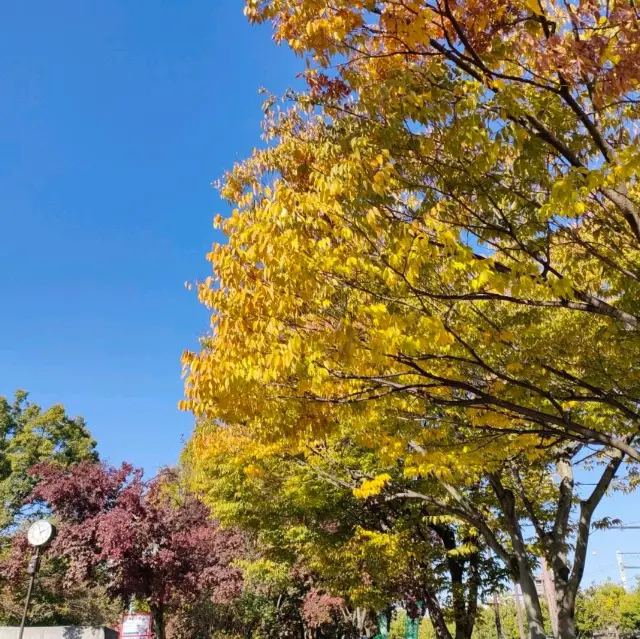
39, 535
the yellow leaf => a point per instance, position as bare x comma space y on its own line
534, 6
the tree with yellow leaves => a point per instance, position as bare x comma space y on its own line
372, 551
436, 257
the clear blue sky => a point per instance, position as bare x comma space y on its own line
115, 116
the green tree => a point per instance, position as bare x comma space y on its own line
630, 610
398, 625
608, 605
30, 435
373, 551
598, 608
485, 627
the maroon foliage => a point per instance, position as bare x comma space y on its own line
320, 609
146, 538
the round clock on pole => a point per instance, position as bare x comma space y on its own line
41, 533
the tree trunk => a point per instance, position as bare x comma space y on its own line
464, 582
519, 564
435, 615
157, 614
496, 613
565, 607
565, 581
464, 627
566, 623
531, 602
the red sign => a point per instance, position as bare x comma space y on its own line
136, 626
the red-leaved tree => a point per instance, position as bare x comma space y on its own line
149, 540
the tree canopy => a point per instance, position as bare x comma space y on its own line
436, 258
372, 552
30, 435
140, 539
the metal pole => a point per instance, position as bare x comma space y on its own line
516, 592
32, 570
623, 574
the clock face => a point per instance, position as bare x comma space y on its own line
40, 533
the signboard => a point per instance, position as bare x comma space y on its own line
412, 628
135, 626
383, 626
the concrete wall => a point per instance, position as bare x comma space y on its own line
58, 632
